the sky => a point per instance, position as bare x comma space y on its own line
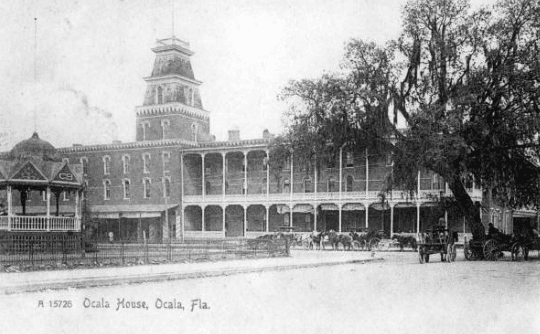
81, 81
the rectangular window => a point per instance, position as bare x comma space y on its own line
65, 196
125, 160
43, 195
390, 159
146, 163
146, 188
107, 190
126, 189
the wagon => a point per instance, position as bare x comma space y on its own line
492, 248
438, 240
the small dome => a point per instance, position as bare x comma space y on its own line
35, 148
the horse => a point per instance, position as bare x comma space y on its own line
330, 237
315, 240
358, 240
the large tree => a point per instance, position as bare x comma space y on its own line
457, 93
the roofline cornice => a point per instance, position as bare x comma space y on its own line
173, 76
132, 145
171, 108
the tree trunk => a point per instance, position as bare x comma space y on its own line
470, 210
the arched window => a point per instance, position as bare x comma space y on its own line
146, 163
127, 193
146, 186
286, 186
84, 162
106, 165
159, 98
349, 183
349, 159
331, 184
193, 132
125, 161
164, 128
307, 185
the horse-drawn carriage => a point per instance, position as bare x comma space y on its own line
438, 240
496, 243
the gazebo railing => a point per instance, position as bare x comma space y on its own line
40, 223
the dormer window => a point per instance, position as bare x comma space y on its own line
65, 160
349, 159
106, 165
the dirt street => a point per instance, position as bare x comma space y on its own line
397, 295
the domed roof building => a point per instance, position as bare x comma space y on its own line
35, 165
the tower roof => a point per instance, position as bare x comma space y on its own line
172, 58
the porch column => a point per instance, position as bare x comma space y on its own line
245, 219
417, 217
316, 176
391, 220
77, 207
203, 190
48, 208
182, 176
223, 156
367, 180
10, 206
267, 176
245, 175
202, 218
340, 214
291, 192
267, 218
367, 215
314, 217
223, 207
340, 180
178, 222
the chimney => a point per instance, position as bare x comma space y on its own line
234, 135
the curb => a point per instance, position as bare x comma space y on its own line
162, 277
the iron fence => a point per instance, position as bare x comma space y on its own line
37, 251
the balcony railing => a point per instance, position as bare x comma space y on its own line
345, 196
40, 224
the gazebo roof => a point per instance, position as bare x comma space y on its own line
35, 148
35, 162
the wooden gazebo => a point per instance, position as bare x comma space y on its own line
35, 165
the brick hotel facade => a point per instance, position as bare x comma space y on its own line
175, 181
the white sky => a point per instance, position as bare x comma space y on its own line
92, 56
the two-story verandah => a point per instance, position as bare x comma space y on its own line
228, 190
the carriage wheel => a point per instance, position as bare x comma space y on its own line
491, 250
518, 252
374, 244
450, 253
426, 258
421, 257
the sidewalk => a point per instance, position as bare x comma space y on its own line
79, 278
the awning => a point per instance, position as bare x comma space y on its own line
353, 207
329, 207
130, 211
524, 214
298, 208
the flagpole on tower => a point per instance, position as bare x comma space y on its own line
172, 4
35, 76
